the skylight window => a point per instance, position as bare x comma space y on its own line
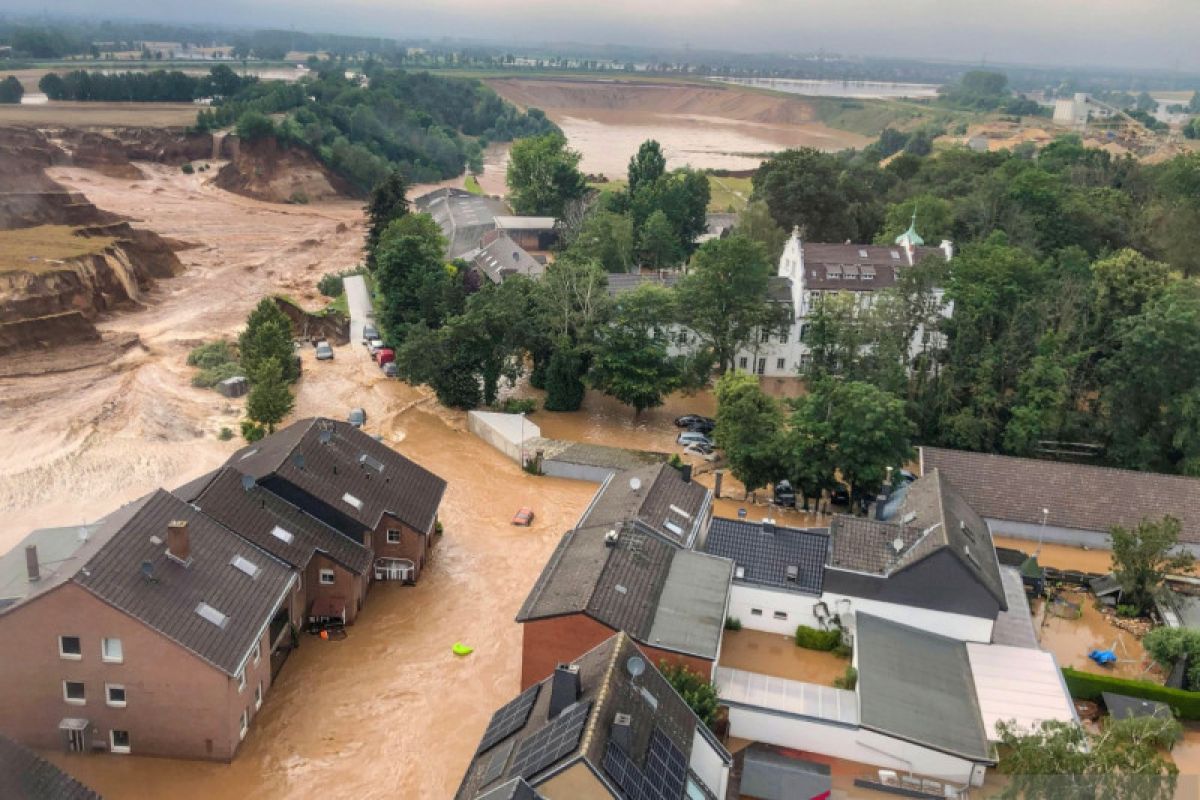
285, 536
680, 512
245, 565
369, 461
211, 614
862, 253
352, 500
247, 454
895, 255
673, 528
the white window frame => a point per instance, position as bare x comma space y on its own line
244, 724
257, 651
327, 573
75, 701
70, 656
399, 535
105, 657
108, 701
258, 696
241, 679
113, 747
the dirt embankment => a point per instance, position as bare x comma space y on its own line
266, 170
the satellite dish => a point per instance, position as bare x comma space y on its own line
635, 665
635, 483
897, 544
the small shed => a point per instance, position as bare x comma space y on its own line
769, 774
1106, 588
1122, 706
1033, 576
234, 387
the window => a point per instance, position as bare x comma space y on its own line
780, 615
350, 499
258, 696
118, 741
282, 535
762, 366
241, 679
257, 652
327, 575
765, 337
779, 362
70, 647
111, 650
393, 536
74, 693
742, 362
756, 612
211, 614
114, 694
245, 565
245, 723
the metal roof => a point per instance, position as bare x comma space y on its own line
24, 775
1014, 625
1121, 706
463, 217
663, 501
1018, 684
762, 554
917, 686
502, 257
516, 223
768, 774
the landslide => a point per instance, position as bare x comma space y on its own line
648, 97
267, 170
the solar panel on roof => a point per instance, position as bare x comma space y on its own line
661, 778
509, 718
497, 762
552, 742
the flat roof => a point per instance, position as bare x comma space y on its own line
515, 223
691, 615
786, 696
769, 774
1014, 625
1017, 684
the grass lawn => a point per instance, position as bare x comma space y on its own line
472, 185
41, 248
728, 193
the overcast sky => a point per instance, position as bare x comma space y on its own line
1134, 33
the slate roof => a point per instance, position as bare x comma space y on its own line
24, 775
607, 688
515, 789
658, 593
255, 512
932, 517
1079, 496
1014, 626
1122, 706
917, 686
763, 553
768, 773
621, 282
672, 507
167, 603
330, 470
844, 267
502, 257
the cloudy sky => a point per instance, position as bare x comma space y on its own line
1134, 33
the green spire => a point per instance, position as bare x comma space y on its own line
911, 236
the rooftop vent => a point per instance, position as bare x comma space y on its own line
155, 539
622, 732
739, 572
31, 563
285, 536
909, 517
564, 688
793, 573
611, 537
369, 461
298, 460
898, 545
148, 571
325, 437
635, 484
635, 666
211, 614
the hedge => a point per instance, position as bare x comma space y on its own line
813, 639
1086, 686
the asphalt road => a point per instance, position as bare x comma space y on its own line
359, 302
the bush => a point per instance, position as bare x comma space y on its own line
187, 169
814, 639
697, 691
254, 125
848, 679
331, 283
252, 431
210, 377
843, 650
210, 354
733, 624
517, 405
675, 461
225, 435
1128, 611
1086, 686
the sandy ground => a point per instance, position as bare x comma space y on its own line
81, 115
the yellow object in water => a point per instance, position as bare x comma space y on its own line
461, 649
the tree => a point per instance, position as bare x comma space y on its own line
413, 282
437, 358
1125, 760
723, 297
543, 175
11, 90
270, 399
756, 224
1167, 646
700, 694
564, 379
658, 245
267, 337
632, 362
387, 203
254, 125
748, 426
647, 166
682, 195
607, 237
1143, 557
802, 189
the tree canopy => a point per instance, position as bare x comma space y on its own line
543, 175
1144, 556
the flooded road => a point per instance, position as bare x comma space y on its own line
1070, 640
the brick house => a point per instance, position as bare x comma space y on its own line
334, 570
354, 484
154, 631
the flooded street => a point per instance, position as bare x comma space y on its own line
778, 655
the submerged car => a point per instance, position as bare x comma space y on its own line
523, 517
692, 437
390, 370
357, 417
324, 351
783, 494
374, 345
688, 420
369, 332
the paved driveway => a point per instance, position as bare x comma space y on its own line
359, 301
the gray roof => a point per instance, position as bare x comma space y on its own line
917, 686
657, 593
167, 603
621, 282
516, 223
516, 789
1014, 625
845, 267
463, 217
1078, 496
24, 775
763, 553
768, 774
502, 257
1122, 706
932, 517
255, 512
607, 688
339, 467
664, 501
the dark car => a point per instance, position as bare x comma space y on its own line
324, 351
784, 495
688, 420
702, 427
369, 332
357, 417
839, 497
390, 370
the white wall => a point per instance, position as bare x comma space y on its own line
708, 765
799, 610
852, 744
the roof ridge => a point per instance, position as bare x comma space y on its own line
603, 694
539, 585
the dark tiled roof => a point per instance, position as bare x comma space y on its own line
918, 686
331, 470
515, 789
867, 545
502, 257
764, 554
661, 495
621, 282
608, 689
254, 513
1079, 496
24, 775
168, 602
823, 263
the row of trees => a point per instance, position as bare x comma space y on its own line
158, 86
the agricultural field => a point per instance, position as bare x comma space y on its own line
43, 247
99, 114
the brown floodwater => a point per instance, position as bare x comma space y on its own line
1070, 640
1061, 556
777, 655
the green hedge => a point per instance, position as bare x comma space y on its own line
1086, 686
813, 639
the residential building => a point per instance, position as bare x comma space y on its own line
334, 570
355, 484
605, 724
663, 498
1075, 504
156, 631
24, 775
463, 217
531, 233
498, 257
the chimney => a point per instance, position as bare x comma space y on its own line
179, 544
686, 472
564, 688
948, 248
768, 525
622, 732
31, 563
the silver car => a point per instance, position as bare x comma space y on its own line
324, 351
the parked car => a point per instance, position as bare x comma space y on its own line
324, 351
702, 427
374, 345
357, 417
692, 437
688, 420
700, 451
370, 332
523, 517
840, 496
783, 494
390, 369
385, 355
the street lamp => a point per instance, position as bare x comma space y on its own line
1042, 530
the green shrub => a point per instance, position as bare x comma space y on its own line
733, 624
696, 690
675, 461
1128, 611
255, 125
814, 639
843, 650
252, 431
1086, 686
331, 283
208, 378
211, 354
188, 169
517, 405
848, 679
225, 435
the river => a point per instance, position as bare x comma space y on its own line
857, 90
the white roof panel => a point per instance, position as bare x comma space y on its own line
1018, 683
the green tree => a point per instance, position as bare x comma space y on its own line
1167, 646
699, 693
11, 90
723, 297
755, 223
658, 245
803, 189
647, 166
631, 361
682, 195
254, 125
1144, 556
270, 399
934, 219
1042, 396
387, 203
564, 379
1124, 760
749, 423
443, 360
414, 284
543, 175
267, 337
607, 237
